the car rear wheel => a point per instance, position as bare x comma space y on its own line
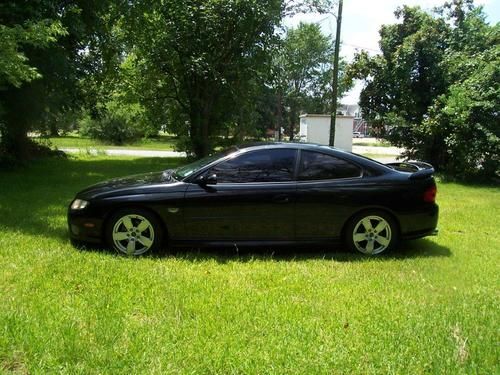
134, 232
372, 233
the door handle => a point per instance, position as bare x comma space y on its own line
281, 198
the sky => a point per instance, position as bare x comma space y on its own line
361, 21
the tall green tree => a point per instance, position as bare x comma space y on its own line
418, 89
466, 117
306, 56
402, 82
304, 72
51, 44
206, 60
201, 52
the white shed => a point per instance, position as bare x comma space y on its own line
316, 129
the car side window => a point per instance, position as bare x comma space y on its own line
318, 166
274, 165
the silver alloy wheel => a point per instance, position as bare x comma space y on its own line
372, 235
133, 234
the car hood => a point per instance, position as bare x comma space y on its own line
134, 184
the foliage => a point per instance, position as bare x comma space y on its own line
119, 124
14, 67
431, 306
435, 87
303, 72
118, 115
306, 56
198, 54
200, 69
467, 118
302, 64
57, 42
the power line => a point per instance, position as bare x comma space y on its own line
346, 44
356, 46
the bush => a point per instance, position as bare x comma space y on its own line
464, 123
436, 85
112, 127
34, 150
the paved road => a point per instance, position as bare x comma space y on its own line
126, 152
382, 151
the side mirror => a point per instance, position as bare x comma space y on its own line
207, 180
212, 179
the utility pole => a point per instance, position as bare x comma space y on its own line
279, 114
333, 110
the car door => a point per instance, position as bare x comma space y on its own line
327, 187
253, 199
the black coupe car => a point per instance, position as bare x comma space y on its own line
275, 193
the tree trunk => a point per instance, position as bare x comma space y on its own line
205, 147
279, 115
194, 134
200, 128
15, 142
53, 130
201, 107
293, 118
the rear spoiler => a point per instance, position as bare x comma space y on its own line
418, 169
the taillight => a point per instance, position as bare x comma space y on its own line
430, 194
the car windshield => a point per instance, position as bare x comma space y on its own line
187, 170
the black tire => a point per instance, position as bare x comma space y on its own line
140, 229
372, 232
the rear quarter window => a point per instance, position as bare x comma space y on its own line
319, 166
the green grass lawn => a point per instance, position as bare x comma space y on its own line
373, 142
163, 142
430, 307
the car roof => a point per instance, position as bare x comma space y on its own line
299, 145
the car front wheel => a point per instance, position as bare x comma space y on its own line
134, 232
372, 233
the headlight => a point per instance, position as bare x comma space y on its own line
79, 204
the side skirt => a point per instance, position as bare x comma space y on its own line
251, 243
